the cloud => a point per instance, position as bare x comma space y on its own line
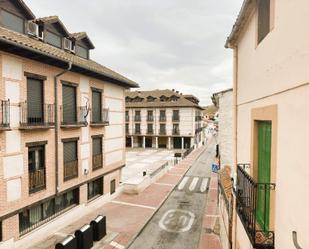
160, 44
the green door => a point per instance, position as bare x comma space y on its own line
264, 162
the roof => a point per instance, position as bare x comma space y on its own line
215, 96
28, 12
17, 43
210, 109
52, 19
181, 102
80, 36
241, 20
226, 182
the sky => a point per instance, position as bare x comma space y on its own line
160, 44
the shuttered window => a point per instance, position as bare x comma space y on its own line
97, 146
82, 52
35, 101
69, 104
96, 107
70, 151
12, 21
53, 39
263, 19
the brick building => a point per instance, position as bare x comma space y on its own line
62, 133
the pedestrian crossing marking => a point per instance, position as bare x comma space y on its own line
193, 183
204, 185
183, 183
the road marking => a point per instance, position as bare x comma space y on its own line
204, 185
164, 184
183, 183
193, 183
176, 220
133, 205
116, 245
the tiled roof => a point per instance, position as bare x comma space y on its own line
82, 35
27, 10
181, 102
21, 40
225, 181
52, 19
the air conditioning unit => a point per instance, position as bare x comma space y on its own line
68, 45
33, 29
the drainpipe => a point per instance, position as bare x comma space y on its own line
57, 124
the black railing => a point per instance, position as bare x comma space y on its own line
150, 118
5, 114
70, 170
137, 118
102, 119
246, 206
162, 118
77, 118
33, 116
36, 180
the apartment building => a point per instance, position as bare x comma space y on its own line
271, 99
62, 133
163, 119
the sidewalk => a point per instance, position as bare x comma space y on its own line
127, 214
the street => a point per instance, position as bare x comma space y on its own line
178, 222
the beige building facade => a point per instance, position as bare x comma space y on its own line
271, 93
62, 125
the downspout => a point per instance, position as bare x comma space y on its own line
57, 125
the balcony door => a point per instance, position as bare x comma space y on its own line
69, 104
264, 169
96, 107
35, 101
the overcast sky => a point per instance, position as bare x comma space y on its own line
157, 43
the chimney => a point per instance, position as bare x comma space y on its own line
173, 90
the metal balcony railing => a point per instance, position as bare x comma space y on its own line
78, 116
70, 170
102, 119
97, 161
37, 116
246, 205
36, 180
162, 118
150, 118
5, 114
137, 118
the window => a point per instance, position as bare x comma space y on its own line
162, 129
35, 101
137, 115
69, 104
127, 128
70, 160
176, 129
96, 107
127, 116
175, 115
113, 186
137, 128
263, 19
36, 167
150, 128
150, 115
97, 156
150, 99
53, 39
162, 115
13, 22
95, 188
82, 52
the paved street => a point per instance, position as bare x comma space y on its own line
178, 222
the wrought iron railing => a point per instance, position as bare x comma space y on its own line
5, 114
103, 118
36, 180
97, 161
42, 115
79, 117
70, 170
246, 205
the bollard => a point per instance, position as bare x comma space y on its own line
84, 237
99, 227
69, 242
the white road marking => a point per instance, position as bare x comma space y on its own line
193, 183
116, 245
176, 220
132, 204
204, 185
183, 183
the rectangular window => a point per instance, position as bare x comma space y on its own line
263, 19
70, 160
150, 115
53, 39
95, 188
150, 128
97, 155
127, 128
137, 128
137, 115
35, 101
175, 115
176, 129
127, 116
96, 107
162, 129
113, 186
69, 111
13, 22
36, 168
82, 52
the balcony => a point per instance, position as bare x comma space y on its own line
97, 162
70, 170
176, 132
100, 119
150, 132
137, 118
137, 132
5, 115
150, 118
162, 118
162, 132
37, 180
247, 190
175, 118
74, 117
37, 117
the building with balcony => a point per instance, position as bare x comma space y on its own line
163, 119
271, 94
61, 125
